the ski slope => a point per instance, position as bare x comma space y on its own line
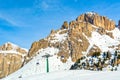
73, 75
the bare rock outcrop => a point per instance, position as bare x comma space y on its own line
65, 25
12, 58
94, 49
36, 46
97, 20
10, 63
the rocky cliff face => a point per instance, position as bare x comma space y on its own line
72, 39
12, 58
97, 20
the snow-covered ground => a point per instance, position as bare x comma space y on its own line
73, 75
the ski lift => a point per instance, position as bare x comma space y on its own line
62, 57
47, 56
37, 63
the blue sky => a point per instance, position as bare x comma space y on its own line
25, 21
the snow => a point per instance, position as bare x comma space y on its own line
14, 46
102, 41
38, 64
91, 13
59, 37
94, 26
74, 75
116, 34
13, 50
79, 40
9, 52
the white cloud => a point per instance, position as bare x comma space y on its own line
11, 22
48, 4
41, 4
17, 17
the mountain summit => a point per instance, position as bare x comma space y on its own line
12, 47
97, 20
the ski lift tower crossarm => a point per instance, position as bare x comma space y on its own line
47, 61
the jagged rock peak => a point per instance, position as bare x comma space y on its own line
65, 25
97, 20
91, 18
10, 43
91, 13
11, 46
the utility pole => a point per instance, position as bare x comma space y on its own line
47, 61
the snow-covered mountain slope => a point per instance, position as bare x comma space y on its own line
38, 64
71, 75
104, 41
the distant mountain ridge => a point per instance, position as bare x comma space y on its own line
12, 58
